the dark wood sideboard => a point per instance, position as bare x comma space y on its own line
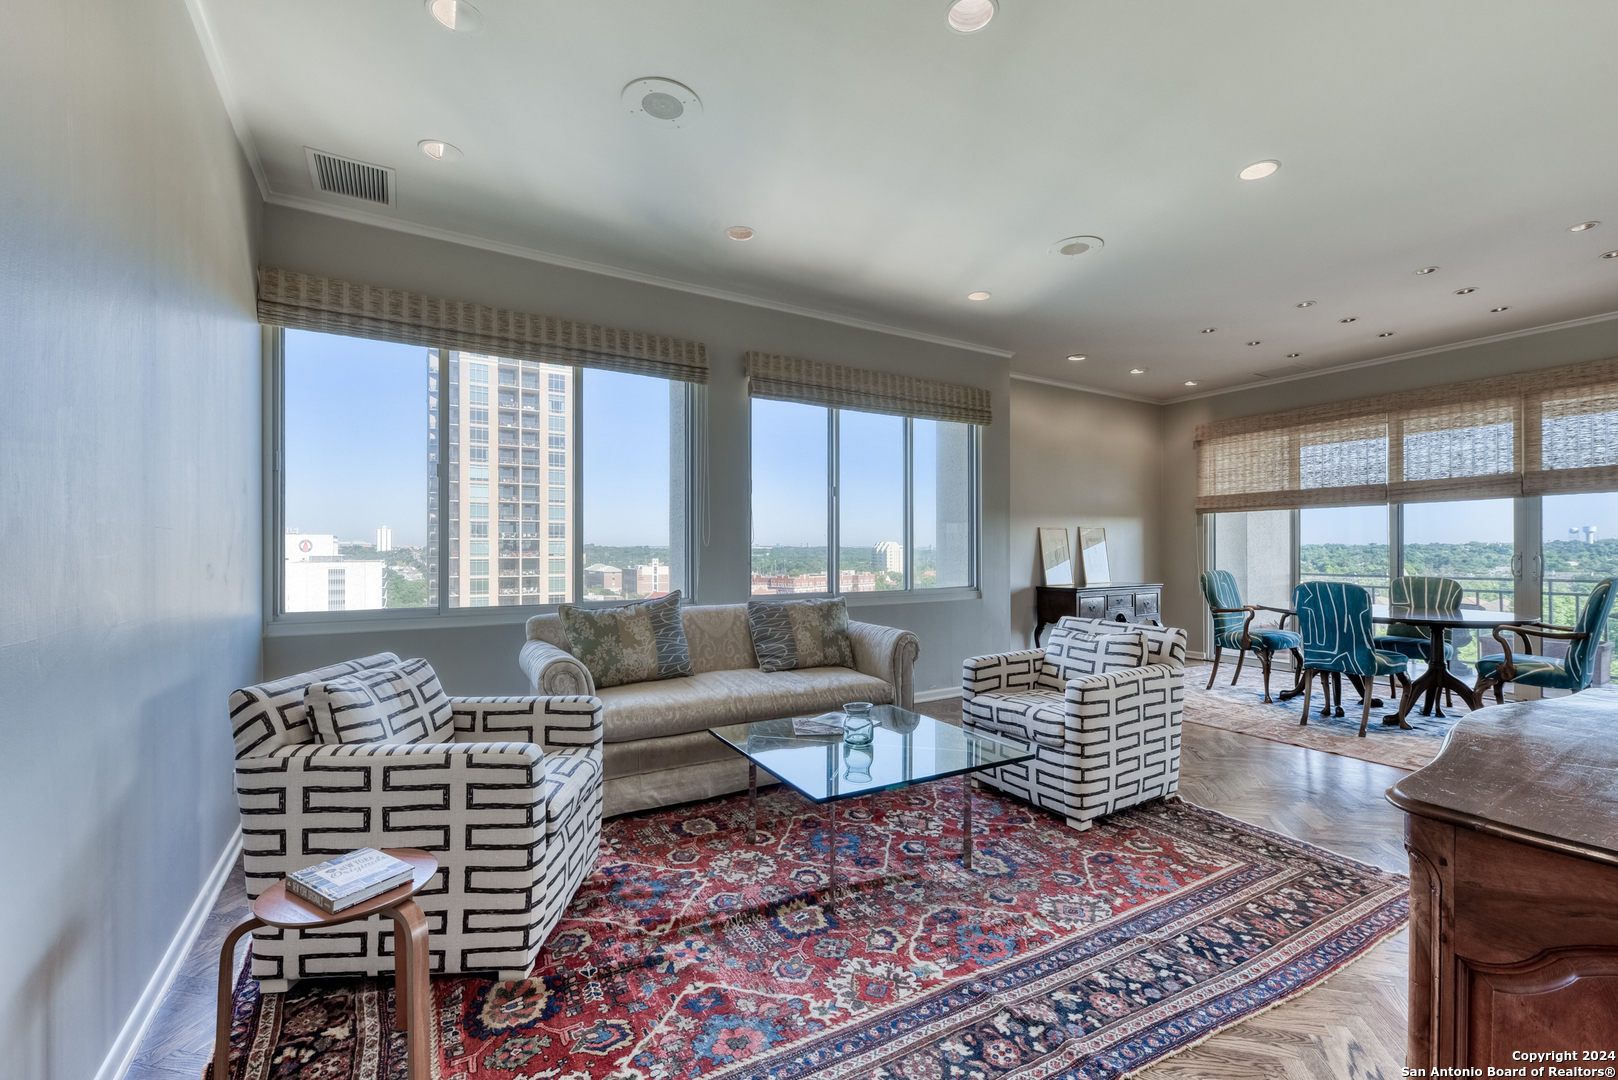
1121, 601
1513, 838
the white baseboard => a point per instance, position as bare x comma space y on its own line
943, 694
122, 1054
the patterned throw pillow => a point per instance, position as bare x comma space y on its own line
1077, 654
637, 643
401, 703
800, 634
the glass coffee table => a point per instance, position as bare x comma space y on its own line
907, 748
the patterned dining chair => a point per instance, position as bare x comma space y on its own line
1429, 594
1234, 629
1334, 619
1571, 672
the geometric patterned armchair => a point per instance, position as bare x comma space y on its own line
1334, 619
1422, 594
511, 809
1571, 672
1104, 742
1233, 628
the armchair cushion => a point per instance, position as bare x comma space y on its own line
1413, 647
1038, 716
1532, 670
400, 703
1076, 653
1164, 644
638, 643
1267, 639
1388, 663
273, 714
800, 634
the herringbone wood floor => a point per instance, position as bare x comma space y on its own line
1353, 1027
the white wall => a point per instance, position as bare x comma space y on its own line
1082, 459
475, 659
129, 512
1182, 599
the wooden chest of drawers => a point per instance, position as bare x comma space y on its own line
1121, 602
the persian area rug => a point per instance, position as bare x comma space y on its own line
689, 953
1241, 708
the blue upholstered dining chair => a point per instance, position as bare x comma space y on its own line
1421, 594
1234, 629
1571, 672
1334, 620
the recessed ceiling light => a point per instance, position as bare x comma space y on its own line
969, 16
456, 15
1351, 318
1259, 170
439, 150
1427, 270
1386, 333
1077, 245
1191, 382
1583, 226
1209, 329
1293, 355
662, 101
1466, 291
1502, 308
1255, 342
1307, 303
1609, 254
1076, 357
979, 295
1137, 371
739, 232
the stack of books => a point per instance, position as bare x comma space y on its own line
349, 879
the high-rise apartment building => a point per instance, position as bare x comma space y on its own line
384, 539
889, 555
507, 437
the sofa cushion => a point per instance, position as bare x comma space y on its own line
800, 634
719, 637
1075, 653
636, 643
716, 698
400, 703
1031, 716
270, 715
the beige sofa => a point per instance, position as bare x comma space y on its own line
657, 748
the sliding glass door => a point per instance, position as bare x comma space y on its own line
1345, 543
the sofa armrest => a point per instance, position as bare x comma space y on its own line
890, 654
1001, 672
303, 804
554, 672
554, 723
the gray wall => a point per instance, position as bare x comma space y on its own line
129, 429
482, 657
1182, 600
1082, 459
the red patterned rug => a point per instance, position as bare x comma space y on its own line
689, 953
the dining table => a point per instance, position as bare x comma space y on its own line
1437, 678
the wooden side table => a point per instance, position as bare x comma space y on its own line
412, 993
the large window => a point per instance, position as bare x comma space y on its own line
856, 502
1345, 543
484, 481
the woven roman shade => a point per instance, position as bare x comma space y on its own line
330, 306
787, 378
1536, 433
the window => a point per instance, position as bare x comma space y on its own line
897, 494
369, 443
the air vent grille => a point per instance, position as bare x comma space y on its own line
352, 179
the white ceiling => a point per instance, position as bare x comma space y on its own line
891, 166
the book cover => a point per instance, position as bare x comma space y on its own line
349, 879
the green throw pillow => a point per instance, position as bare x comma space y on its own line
800, 634
637, 643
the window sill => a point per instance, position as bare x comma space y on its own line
913, 596
359, 622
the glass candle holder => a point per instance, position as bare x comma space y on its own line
859, 726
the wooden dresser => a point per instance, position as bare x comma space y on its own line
1124, 602
1513, 838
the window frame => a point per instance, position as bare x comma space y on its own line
909, 593
279, 621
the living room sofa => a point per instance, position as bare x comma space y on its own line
657, 748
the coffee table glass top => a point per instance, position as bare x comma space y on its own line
907, 748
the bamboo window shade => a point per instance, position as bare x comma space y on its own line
1541, 432
808, 382
332, 306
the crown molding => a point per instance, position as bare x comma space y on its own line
1412, 355
227, 94
1020, 377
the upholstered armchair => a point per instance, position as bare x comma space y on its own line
1334, 620
1105, 742
1422, 594
511, 809
1234, 629
1573, 671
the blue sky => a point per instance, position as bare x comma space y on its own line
626, 459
